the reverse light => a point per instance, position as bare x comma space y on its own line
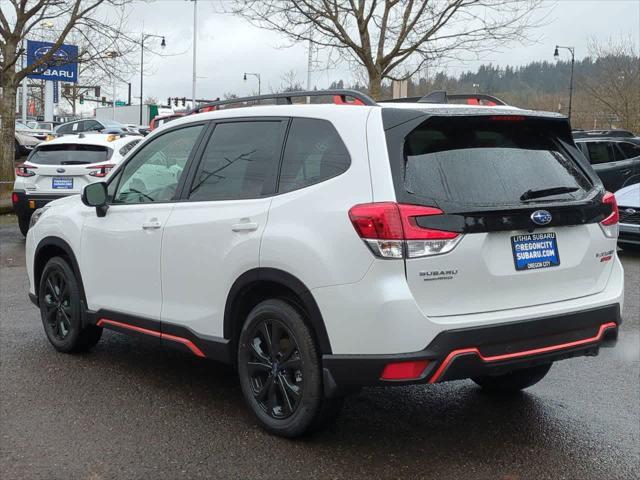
391, 230
23, 170
411, 370
609, 225
100, 170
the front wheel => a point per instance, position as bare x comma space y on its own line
513, 381
281, 371
61, 309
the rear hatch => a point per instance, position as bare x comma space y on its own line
67, 168
525, 205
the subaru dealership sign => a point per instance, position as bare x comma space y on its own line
63, 66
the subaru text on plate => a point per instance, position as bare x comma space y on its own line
322, 248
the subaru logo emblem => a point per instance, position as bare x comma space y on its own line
60, 170
541, 217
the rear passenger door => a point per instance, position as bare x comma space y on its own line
213, 234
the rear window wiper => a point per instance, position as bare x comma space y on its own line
546, 192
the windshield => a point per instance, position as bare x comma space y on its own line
22, 126
69, 154
482, 161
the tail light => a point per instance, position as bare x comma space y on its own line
610, 224
100, 170
391, 230
23, 170
15, 198
411, 370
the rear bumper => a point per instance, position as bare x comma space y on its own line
485, 350
25, 204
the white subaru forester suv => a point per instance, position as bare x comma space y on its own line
325, 247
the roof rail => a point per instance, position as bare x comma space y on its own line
440, 96
340, 97
402, 100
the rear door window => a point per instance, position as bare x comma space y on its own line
314, 153
479, 161
240, 161
69, 154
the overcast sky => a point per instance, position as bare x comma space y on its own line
228, 46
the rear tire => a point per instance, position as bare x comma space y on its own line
61, 309
280, 371
23, 225
513, 381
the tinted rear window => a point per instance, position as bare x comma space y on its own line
477, 161
69, 154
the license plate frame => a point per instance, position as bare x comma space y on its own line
535, 251
62, 183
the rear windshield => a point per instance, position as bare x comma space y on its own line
69, 154
481, 161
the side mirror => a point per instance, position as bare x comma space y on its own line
95, 195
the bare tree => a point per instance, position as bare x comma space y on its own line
617, 88
65, 16
290, 82
392, 39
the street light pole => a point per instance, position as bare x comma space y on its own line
195, 40
573, 61
257, 75
162, 44
113, 55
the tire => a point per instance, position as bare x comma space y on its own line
61, 309
23, 225
281, 380
513, 381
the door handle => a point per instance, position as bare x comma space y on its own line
244, 227
626, 172
151, 225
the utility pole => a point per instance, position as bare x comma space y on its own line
195, 40
25, 88
309, 65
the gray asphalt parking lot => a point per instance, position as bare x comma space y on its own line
129, 410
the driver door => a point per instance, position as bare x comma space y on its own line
120, 252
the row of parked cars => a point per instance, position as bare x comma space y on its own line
32, 132
28, 134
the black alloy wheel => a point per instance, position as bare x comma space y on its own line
280, 369
61, 309
275, 368
57, 312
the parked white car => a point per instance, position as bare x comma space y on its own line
63, 166
321, 248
